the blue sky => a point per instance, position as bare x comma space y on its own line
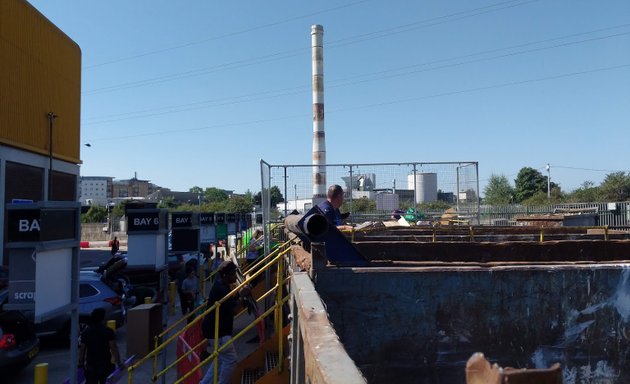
197, 92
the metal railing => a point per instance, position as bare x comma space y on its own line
274, 259
383, 187
615, 215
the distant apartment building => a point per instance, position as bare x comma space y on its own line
132, 188
95, 190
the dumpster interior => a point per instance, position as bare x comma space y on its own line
526, 297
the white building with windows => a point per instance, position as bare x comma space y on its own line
95, 190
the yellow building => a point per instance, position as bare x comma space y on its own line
40, 103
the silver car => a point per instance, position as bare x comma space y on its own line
94, 292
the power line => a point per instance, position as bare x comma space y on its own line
400, 101
340, 83
230, 34
430, 22
587, 169
513, 47
490, 58
179, 130
495, 86
298, 51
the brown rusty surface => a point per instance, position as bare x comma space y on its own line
301, 257
550, 251
420, 308
318, 112
325, 359
498, 232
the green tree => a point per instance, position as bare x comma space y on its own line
528, 182
196, 189
434, 206
615, 187
275, 197
498, 191
213, 195
118, 210
167, 202
586, 193
362, 204
216, 206
96, 214
242, 204
540, 197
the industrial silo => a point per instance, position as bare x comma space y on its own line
425, 186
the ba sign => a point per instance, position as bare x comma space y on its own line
40, 224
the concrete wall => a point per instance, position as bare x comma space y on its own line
94, 232
420, 325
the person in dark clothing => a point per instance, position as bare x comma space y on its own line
330, 207
190, 290
180, 276
98, 345
115, 246
221, 288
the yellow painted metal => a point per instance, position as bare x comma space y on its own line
278, 328
111, 324
542, 235
275, 257
41, 373
40, 73
224, 346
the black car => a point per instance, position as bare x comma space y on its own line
18, 342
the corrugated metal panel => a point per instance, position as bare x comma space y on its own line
40, 72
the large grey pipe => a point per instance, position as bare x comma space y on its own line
314, 225
319, 137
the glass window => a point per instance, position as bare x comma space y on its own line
64, 186
23, 182
87, 290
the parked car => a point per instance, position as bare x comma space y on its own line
18, 342
94, 292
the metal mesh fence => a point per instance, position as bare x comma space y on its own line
373, 191
615, 215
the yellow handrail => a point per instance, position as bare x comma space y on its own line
245, 330
270, 260
232, 340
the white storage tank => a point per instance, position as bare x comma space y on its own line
426, 186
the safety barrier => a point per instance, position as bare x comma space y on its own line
186, 343
192, 343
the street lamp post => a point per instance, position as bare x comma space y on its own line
51, 117
548, 183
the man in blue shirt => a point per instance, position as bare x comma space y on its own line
330, 207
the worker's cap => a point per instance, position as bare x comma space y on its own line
226, 267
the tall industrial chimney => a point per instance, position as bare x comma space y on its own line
319, 137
